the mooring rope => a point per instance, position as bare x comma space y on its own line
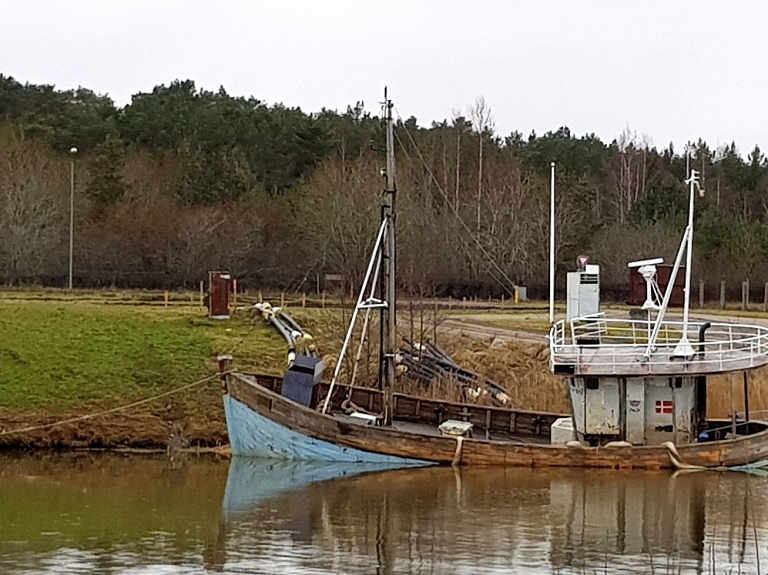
111, 410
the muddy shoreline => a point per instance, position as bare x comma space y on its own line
113, 431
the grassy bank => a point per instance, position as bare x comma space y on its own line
67, 357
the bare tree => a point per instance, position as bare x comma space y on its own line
630, 175
480, 115
33, 194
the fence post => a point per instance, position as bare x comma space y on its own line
765, 297
722, 294
745, 294
701, 293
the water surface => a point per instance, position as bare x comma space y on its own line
134, 514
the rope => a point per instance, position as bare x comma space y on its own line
242, 339
112, 410
455, 210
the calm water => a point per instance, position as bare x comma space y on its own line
139, 514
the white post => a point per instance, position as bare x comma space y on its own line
552, 245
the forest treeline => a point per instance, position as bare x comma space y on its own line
183, 180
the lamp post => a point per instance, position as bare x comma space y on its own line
552, 244
72, 152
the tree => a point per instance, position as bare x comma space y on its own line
33, 188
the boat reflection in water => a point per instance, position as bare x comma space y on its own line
305, 517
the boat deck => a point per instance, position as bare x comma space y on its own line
430, 430
600, 346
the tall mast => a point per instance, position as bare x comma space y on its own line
388, 263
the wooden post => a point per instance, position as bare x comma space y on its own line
746, 396
765, 297
202, 300
450, 302
322, 300
434, 325
166, 297
722, 294
502, 301
745, 294
733, 408
234, 292
410, 317
261, 297
303, 300
701, 293
317, 283
282, 299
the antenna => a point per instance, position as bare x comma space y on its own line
647, 269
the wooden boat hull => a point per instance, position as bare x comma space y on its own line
254, 434
262, 423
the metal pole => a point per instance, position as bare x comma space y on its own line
72, 152
667, 295
684, 347
552, 245
375, 258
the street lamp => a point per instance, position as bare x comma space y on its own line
72, 152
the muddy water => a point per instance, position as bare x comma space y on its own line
140, 514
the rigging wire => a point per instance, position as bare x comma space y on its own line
463, 239
455, 210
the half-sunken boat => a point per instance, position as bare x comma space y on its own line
637, 388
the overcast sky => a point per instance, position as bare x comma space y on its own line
672, 70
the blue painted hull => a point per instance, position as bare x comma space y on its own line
254, 435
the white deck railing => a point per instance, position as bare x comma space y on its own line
596, 345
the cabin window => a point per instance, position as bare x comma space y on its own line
678, 382
592, 383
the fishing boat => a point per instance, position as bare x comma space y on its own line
637, 387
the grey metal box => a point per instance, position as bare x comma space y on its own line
301, 377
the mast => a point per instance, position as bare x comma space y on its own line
388, 274
684, 347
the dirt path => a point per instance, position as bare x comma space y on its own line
476, 326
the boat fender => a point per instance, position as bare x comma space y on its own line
618, 444
677, 461
574, 443
457, 454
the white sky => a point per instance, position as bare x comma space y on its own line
672, 70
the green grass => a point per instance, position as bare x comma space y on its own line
61, 355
